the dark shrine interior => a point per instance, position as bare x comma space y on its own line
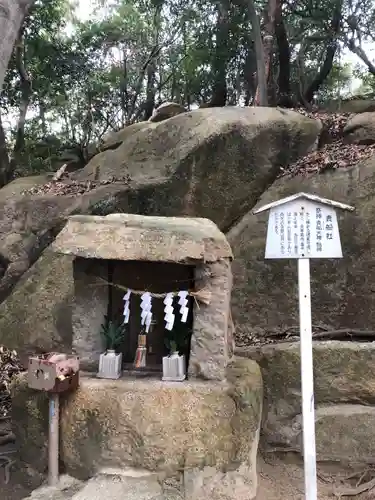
154, 277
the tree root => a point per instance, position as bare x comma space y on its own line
6, 462
343, 491
325, 334
6, 438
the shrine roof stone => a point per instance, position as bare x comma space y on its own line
137, 237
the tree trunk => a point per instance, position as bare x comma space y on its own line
149, 105
261, 93
26, 90
151, 88
269, 36
250, 71
326, 68
4, 158
12, 13
284, 94
42, 117
219, 92
124, 98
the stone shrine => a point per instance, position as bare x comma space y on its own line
157, 254
197, 438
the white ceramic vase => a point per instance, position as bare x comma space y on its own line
174, 368
110, 365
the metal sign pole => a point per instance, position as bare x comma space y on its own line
53, 441
307, 377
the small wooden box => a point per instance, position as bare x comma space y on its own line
53, 372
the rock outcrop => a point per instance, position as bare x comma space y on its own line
37, 315
344, 387
219, 164
360, 129
166, 110
212, 163
264, 298
357, 105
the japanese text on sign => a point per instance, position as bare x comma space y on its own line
303, 228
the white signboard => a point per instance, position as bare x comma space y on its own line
303, 229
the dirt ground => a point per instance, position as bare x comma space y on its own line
278, 480
281, 481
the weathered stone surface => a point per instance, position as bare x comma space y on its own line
64, 490
90, 306
212, 163
360, 129
210, 344
362, 105
118, 487
344, 433
135, 237
264, 297
115, 139
28, 224
36, 317
168, 428
16, 187
116, 484
166, 110
344, 387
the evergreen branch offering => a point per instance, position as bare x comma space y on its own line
112, 334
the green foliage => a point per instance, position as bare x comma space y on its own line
337, 84
97, 76
112, 334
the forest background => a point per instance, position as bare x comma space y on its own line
81, 70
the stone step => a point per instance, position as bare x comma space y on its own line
111, 484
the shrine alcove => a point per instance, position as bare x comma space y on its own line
156, 278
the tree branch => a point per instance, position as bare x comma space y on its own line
330, 54
358, 51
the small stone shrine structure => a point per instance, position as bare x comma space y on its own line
157, 254
197, 438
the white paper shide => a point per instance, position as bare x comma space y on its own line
146, 310
169, 316
127, 307
183, 303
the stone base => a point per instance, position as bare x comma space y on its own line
203, 435
344, 386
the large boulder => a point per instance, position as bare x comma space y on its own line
204, 433
360, 129
264, 298
29, 223
18, 186
37, 316
212, 163
344, 388
166, 110
114, 139
358, 105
